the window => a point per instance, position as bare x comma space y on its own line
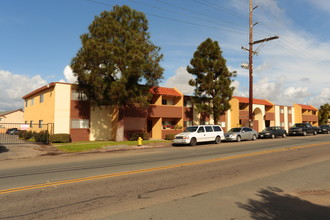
31, 123
168, 124
79, 123
282, 124
200, 130
40, 123
289, 111
26, 103
217, 128
41, 98
32, 101
188, 123
167, 102
247, 129
78, 96
282, 111
187, 103
208, 129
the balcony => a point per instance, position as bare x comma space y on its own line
165, 111
311, 118
270, 116
243, 114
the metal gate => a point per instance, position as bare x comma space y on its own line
18, 133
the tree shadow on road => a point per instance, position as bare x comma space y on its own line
275, 205
3, 149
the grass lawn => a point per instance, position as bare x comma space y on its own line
92, 145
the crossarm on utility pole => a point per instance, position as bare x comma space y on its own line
266, 39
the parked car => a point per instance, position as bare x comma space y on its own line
241, 133
199, 133
325, 129
272, 132
12, 131
302, 129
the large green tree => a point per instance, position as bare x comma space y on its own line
117, 63
212, 80
324, 114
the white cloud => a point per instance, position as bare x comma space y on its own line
69, 75
321, 4
180, 81
293, 68
14, 86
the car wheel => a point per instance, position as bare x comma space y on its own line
238, 138
304, 133
254, 137
217, 140
328, 132
273, 136
315, 132
193, 142
283, 135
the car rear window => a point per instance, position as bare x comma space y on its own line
217, 128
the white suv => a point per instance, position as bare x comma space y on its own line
200, 133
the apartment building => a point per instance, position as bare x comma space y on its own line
169, 113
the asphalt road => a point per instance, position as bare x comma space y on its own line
266, 179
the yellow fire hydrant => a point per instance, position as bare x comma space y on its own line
140, 141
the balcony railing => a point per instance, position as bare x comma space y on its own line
312, 118
165, 111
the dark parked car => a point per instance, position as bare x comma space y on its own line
272, 132
303, 129
325, 129
12, 131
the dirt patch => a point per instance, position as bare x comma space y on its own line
317, 196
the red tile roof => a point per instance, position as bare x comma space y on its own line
164, 91
308, 107
255, 101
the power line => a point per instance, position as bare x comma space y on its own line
188, 15
179, 20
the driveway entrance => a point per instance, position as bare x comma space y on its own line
18, 133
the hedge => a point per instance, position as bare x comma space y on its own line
135, 136
60, 138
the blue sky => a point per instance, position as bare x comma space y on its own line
40, 37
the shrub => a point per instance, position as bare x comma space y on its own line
21, 134
169, 136
60, 138
27, 135
135, 136
42, 136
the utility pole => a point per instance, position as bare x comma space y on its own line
251, 52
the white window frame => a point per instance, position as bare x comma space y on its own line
79, 123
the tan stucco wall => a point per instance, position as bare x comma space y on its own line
234, 114
297, 113
40, 111
259, 113
100, 123
14, 117
180, 103
62, 108
157, 128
